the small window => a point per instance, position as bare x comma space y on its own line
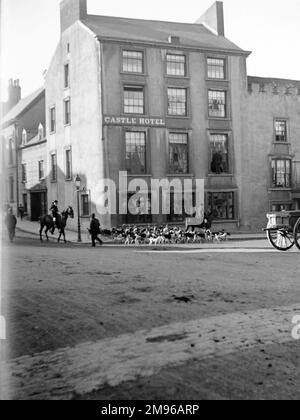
176, 65
178, 149
41, 170
281, 173
68, 164
217, 103
53, 167
10, 151
221, 205
85, 205
134, 100
216, 68
219, 153
67, 111
24, 173
68, 48
67, 76
177, 102
135, 152
281, 130
52, 119
133, 62
11, 189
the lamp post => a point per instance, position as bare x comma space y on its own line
78, 185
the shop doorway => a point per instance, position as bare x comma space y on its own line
38, 201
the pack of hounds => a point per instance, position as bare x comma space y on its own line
164, 235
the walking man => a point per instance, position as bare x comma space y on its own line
11, 223
95, 231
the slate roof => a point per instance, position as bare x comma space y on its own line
149, 31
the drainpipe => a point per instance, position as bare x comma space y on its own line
17, 165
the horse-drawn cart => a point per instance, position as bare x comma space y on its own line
283, 230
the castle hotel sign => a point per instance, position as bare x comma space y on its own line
135, 121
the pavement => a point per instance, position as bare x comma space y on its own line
32, 228
126, 323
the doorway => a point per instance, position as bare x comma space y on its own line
38, 201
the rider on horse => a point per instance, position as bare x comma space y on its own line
55, 212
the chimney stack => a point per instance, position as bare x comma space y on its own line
213, 19
71, 11
14, 93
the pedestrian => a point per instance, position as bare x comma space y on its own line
95, 231
11, 223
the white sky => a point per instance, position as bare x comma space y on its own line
269, 28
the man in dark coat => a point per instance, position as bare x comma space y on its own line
11, 223
95, 231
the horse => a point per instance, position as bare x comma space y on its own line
61, 222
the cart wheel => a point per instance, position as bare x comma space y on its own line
281, 239
297, 234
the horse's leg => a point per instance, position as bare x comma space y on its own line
60, 232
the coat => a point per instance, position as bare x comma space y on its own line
95, 227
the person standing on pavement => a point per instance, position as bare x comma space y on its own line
95, 231
11, 223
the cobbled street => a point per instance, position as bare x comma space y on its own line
205, 322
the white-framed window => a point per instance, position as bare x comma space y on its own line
281, 131
67, 111
52, 119
24, 172
53, 158
68, 164
67, 75
41, 170
216, 68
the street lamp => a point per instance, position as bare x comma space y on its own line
78, 185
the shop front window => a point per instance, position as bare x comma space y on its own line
221, 205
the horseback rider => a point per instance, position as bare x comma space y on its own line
55, 212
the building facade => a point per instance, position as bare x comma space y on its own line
156, 99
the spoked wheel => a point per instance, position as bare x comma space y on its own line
282, 239
297, 234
